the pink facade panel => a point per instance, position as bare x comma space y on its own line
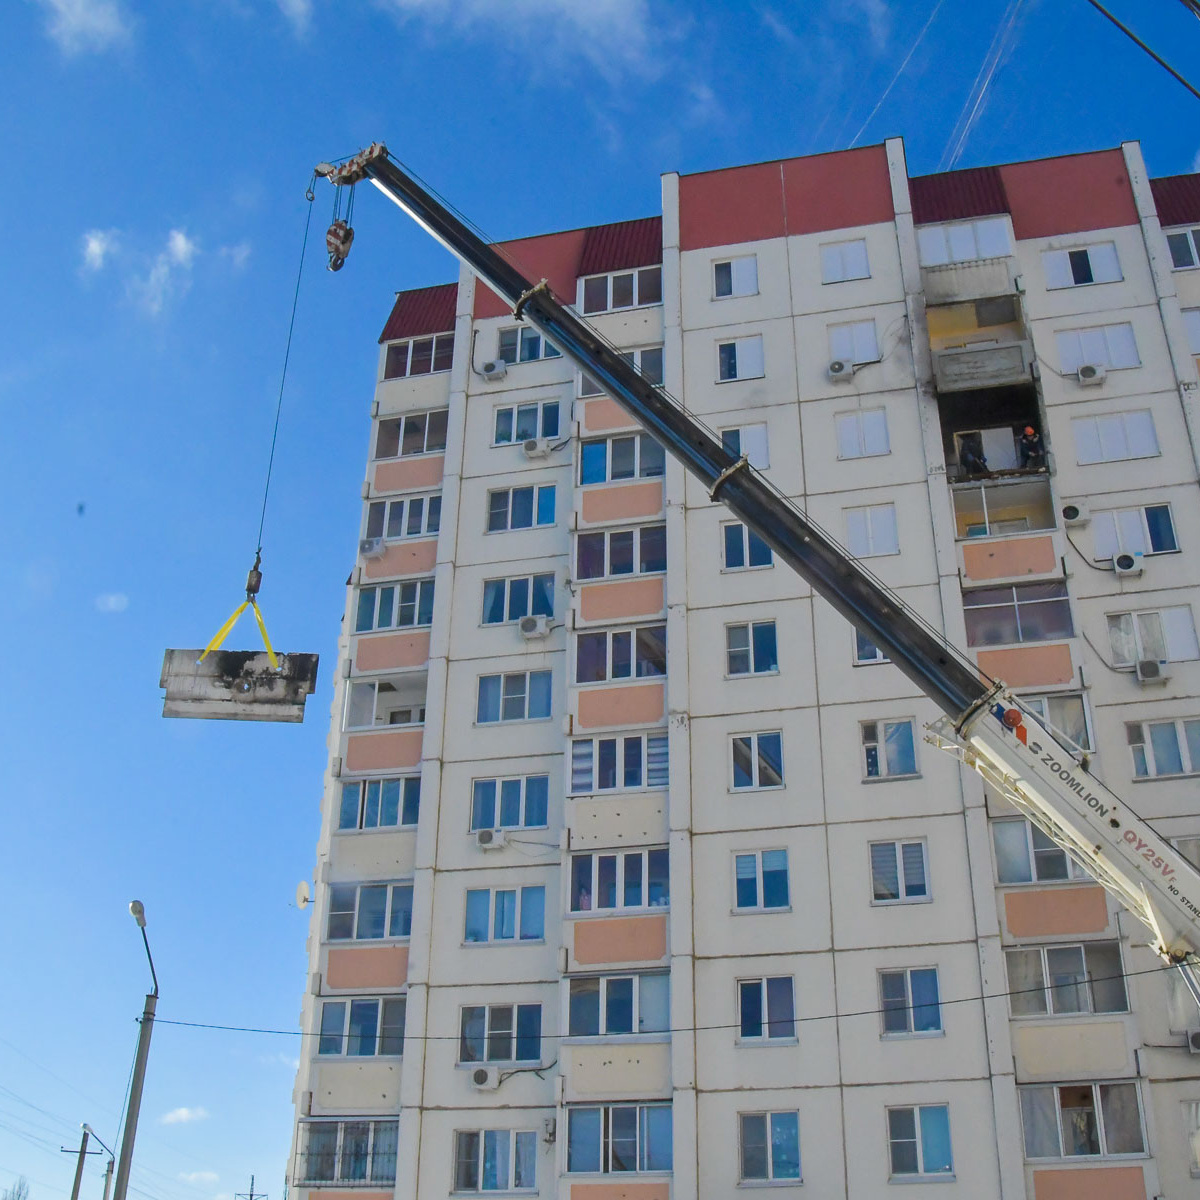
366, 967
621, 502
659, 1189
1094, 1183
385, 652
407, 474
1048, 912
552, 256
604, 414
721, 208
626, 598
1029, 666
1010, 558
385, 750
608, 707
837, 191
402, 558
620, 940
1069, 195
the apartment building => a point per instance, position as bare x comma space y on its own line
637, 878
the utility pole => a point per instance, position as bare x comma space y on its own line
83, 1141
251, 1194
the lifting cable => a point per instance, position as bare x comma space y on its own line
254, 576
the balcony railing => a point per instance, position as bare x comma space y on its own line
982, 365
955, 283
1018, 503
348, 1153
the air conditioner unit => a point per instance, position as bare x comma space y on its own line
840, 370
1091, 374
1193, 1040
1151, 670
1076, 512
371, 547
536, 447
491, 839
495, 369
534, 628
1126, 563
485, 1079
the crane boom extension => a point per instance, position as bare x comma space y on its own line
984, 724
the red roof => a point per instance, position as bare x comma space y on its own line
1177, 198
422, 310
955, 195
623, 244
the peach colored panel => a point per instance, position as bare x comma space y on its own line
384, 751
837, 191
367, 967
404, 474
1044, 913
402, 558
638, 704
1069, 195
622, 502
620, 939
658, 1190
1029, 666
739, 204
386, 651
552, 256
1013, 556
328, 1194
629, 598
1098, 1183
604, 414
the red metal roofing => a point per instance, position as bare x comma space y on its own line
623, 244
955, 195
422, 310
1177, 198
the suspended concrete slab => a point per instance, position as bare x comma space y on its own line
237, 685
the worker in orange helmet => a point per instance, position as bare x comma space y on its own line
1033, 453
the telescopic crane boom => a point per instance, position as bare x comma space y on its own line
1021, 757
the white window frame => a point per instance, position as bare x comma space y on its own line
537, 489
1050, 987
523, 802
508, 580
483, 1136
1191, 329
747, 350
752, 668
437, 343
948, 242
588, 388
606, 1158
1115, 523
1091, 428
1137, 735
364, 787
356, 686
521, 336
621, 858
347, 1003
636, 533
1171, 630
620, 740
743, 276
404, 506
1017, 603
772, 1176
341, 1172
859, 416
1191, 238
759, 906
609, 636
638, 285
1191, 1129
902, 882
1074, 872
750, 441
747, 565
641, 470
539, 407
393, 887
489, 1011
1098, 1113
421, 591
402, 424
756, 762
504, 677
920, 1173
857, 642
856, 342
909, 1007
765, 1037
518, 894
874, 522
880, 744
1103, 265
844, 261
1107, 345
619, 1035
1042, 704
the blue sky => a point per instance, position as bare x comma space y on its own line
157, 156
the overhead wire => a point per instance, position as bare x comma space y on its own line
1137, 41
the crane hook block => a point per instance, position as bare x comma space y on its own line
338, 241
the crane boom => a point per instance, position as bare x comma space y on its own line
984, 724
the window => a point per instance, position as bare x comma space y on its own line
519, 696
744, 548
394, 606
908, 1001
374, 702
349, 1151
1082, 1120
760, 880
844, 260
505, 914
963, 241
919, 1140
854, 342
1065, 714
1191, 327
1191, 1125
1189, 847
495, 1160
1145, 530
770, 1146
520, 802
899, 872
412, 516
1112, 346
419, 356
619, 1138
750, 440
380, 803
1167, 635
520, 422
1024, 612
871, 531
523, 344
1114, 437
621, 654
623, 763
1184, 245
889, 749
416, 433
367, 911
631, 456
757, 760
619, 1005
500, 1033
511, 599
865, 650
1024, 854
629, 879
741, 358
1164, 747
735, 277
1066, 979
646, 360
622, 289
376, 1027
614, 552
766, 1009
520, 508
1087, 264
750, 649
862, 434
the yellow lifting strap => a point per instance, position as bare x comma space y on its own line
253, 583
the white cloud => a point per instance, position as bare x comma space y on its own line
877, 17
199, 1176
98, 244
238, 255
180, 248
112, 602
81, 25
298, 12
183, 1115
169, 274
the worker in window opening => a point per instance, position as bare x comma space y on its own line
970, 457
1033, 453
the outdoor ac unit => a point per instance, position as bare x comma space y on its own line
840, 370
536, 447
371, 547
1151, 670
1126, 563
1076, 512
1091, 374
491, 839
1193, 1040
495, 369
534, 628
485, 1079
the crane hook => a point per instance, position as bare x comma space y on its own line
338, 242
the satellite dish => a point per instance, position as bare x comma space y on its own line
303, 894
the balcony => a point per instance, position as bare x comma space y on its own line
980, 343
979, 279
982, 365
1016, 503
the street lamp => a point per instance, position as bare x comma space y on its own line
138, 912
108, 1171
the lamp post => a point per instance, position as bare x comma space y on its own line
108, 1171
138, 912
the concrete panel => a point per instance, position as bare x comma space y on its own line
372, 854
612, 707
1053, 912
1070, 1050
1009, 558
383, 750
659, 1189
620, 502
606, 941
1070, 193
1090, 1183
1043, 665
409, 474
604, 414
635, 1070
357, 1087
624, 599
623, 819
402, 558
366, 967
384, 652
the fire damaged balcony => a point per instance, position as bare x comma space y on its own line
983, 433
979, 343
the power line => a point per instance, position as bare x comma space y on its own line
1137, 41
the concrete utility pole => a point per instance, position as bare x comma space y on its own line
83, 1141
251, 1194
